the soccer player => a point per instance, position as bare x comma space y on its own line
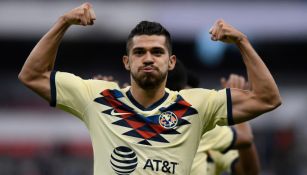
242, 161
222, 149
146, 128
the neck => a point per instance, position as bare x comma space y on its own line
147, 97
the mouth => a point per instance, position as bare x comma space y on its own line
148, 69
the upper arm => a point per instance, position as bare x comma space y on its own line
39, 84
246, 105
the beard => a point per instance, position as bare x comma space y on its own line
149, 80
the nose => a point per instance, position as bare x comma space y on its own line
148, 58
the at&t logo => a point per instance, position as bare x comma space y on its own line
123, 160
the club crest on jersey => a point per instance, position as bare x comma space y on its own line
168, 120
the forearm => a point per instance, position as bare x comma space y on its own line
248, 163
35, 73
244, 135
262, 83
42, 57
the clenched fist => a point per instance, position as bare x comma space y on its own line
82, 15
222, 31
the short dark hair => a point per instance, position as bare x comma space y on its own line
149, 28
177, 78
193, 80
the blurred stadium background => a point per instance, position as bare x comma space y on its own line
36, 139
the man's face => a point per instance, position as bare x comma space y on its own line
149, 60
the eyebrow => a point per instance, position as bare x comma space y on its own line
138, 48
142, 48
158, 48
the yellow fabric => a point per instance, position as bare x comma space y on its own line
221, 162
219, 139
120, 138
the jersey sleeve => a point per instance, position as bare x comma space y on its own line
214, 107
217, 109
224, 162
221, 138
69, 93
74, 94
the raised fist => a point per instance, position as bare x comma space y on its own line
222, 31
82, 15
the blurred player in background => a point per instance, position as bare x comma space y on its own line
223, 149
241, 161
146, 128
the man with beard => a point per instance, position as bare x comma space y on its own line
146, 128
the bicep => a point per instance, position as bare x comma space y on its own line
41, 85
245, 105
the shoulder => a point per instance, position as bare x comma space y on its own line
201, 93
70, 79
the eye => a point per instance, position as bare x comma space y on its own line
158, 52
138, 52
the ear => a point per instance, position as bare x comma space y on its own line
126, 62
172, 62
